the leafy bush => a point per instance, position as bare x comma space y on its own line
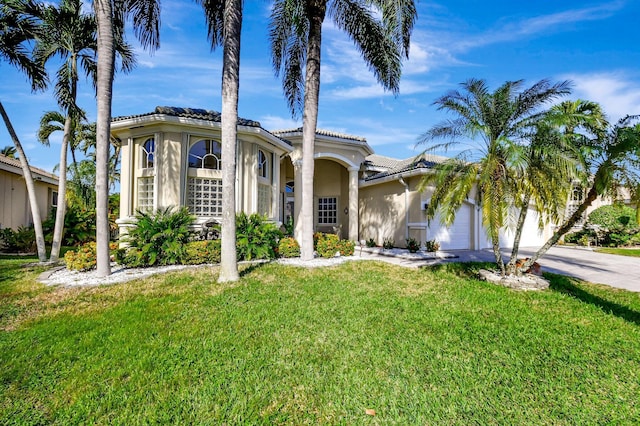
200, 252
84, 257
413, 245
371, 243
613, 217
79, 226
328, 245
21, 241
158, 238
579, 237
288, 247
256, 238
432, 245
388, 243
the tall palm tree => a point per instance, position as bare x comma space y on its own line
296, 41
70, 34
224, 19
495, 124
612, 160
110, 18
17, 30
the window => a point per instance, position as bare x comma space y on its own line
264, 199
327, 211
263, 165
289, 187
206, 154
204, 196
145, 193
54, 199
148, 153
577, 194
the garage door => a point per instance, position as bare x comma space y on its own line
455, 237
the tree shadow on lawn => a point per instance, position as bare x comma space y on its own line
568, 285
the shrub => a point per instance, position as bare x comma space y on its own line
329, 245
79, 226
84, 257
200, 252
613, 217
256, 238
158, 238
388, 243
21, 241
432, 245
413, 245
288, 247
371, 243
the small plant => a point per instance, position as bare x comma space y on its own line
388, 243
256, 238
21, 241
288, 247
432, 246
371, 243
413, 245
288, 227
346, 247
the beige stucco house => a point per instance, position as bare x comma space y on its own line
15, 209
171, 157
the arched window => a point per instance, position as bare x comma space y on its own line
206, 154
263, 165
148, 153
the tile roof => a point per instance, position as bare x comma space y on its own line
321, 132
16, 163
195, 113
394, 167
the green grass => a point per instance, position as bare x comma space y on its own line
289, 345
635, 252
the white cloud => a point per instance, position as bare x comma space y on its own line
618, 94
272, 122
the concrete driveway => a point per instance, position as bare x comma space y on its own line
615, 271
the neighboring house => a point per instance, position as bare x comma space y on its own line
172, 157
15, 209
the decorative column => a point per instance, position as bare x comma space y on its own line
353, 204
296, 160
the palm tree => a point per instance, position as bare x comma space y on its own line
552, 162
613, 160
110, 22
71, 35
497, 123
9, 151
296, 41
224, 19
17, 29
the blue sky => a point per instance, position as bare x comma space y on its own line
592, 43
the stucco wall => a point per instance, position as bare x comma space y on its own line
382, 213
14, 208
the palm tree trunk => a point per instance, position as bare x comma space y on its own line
106, 64
31, 189
566, 227
309, 122
58, 229
511, 266
230, 86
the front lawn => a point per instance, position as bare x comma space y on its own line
633, 252
289, 345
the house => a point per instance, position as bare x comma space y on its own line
172, 157
15, 209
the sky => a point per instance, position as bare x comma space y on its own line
592, 43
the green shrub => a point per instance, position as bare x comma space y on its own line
200, 252
256, 238
413, 245
288, 247
613, 217
579, 237
21, 241
371, 243
158, 238
84, 257
388, 243
346, 247
79, 226
432, 245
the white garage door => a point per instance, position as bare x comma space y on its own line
457, 236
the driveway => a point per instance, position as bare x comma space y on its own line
615, 271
